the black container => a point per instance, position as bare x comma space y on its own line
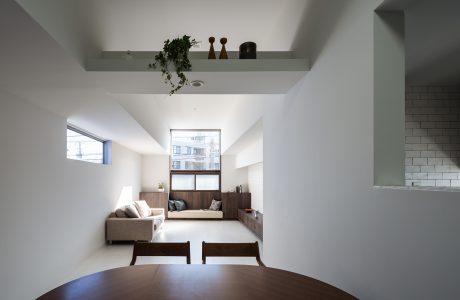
248, 50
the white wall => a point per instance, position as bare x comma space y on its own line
231, 175
52, 210
374, 243
155, 169
252, 154
256, 186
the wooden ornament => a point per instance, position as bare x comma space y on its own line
211, 54
223, 52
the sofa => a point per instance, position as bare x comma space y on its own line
134, 229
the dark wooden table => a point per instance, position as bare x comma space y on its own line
195, 282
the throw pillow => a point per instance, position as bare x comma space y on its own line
143, 208
132, 212
121, 212
215, 205
171, 205
180, 205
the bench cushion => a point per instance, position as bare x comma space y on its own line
195, 214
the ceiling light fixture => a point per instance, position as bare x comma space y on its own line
197, 83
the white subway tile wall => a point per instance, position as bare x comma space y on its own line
432, 136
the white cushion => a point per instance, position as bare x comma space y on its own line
132, 211
143, 208
196, 214
215, 205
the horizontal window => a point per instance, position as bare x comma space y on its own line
207, 182
183, 182
83, 146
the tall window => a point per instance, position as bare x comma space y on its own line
197, 165
83, 146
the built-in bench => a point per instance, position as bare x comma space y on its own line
195, 214
197, 203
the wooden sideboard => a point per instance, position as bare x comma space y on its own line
254, 224
231, 202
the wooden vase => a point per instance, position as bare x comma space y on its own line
211, 54
223, 53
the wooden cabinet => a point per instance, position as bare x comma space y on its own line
231, 202
254, 224
156, 200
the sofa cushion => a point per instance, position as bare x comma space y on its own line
171, 205
121, 212
132, 212
180, 205
143, 208
215, 205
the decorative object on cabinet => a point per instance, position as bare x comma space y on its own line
248, 50
161, 187
223, 53
175, 52
212, 53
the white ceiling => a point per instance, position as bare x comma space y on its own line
233, 114
251, 136
44, 67
431, 39
36, 68
145, 24
433, 42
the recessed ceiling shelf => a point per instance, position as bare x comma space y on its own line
270, 73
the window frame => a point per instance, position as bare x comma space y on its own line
196, 172
106, 145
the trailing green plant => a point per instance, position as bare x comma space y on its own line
175, 52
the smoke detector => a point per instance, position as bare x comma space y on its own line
197, 83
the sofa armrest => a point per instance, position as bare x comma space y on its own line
157, 211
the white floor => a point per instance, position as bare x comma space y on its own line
119, 255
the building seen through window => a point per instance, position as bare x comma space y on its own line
195, 160
195, 150
83, 146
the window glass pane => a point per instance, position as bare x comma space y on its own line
182, 182
82, 147
195, 150
207, 182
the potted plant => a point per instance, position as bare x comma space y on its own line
161, 187
175, 52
